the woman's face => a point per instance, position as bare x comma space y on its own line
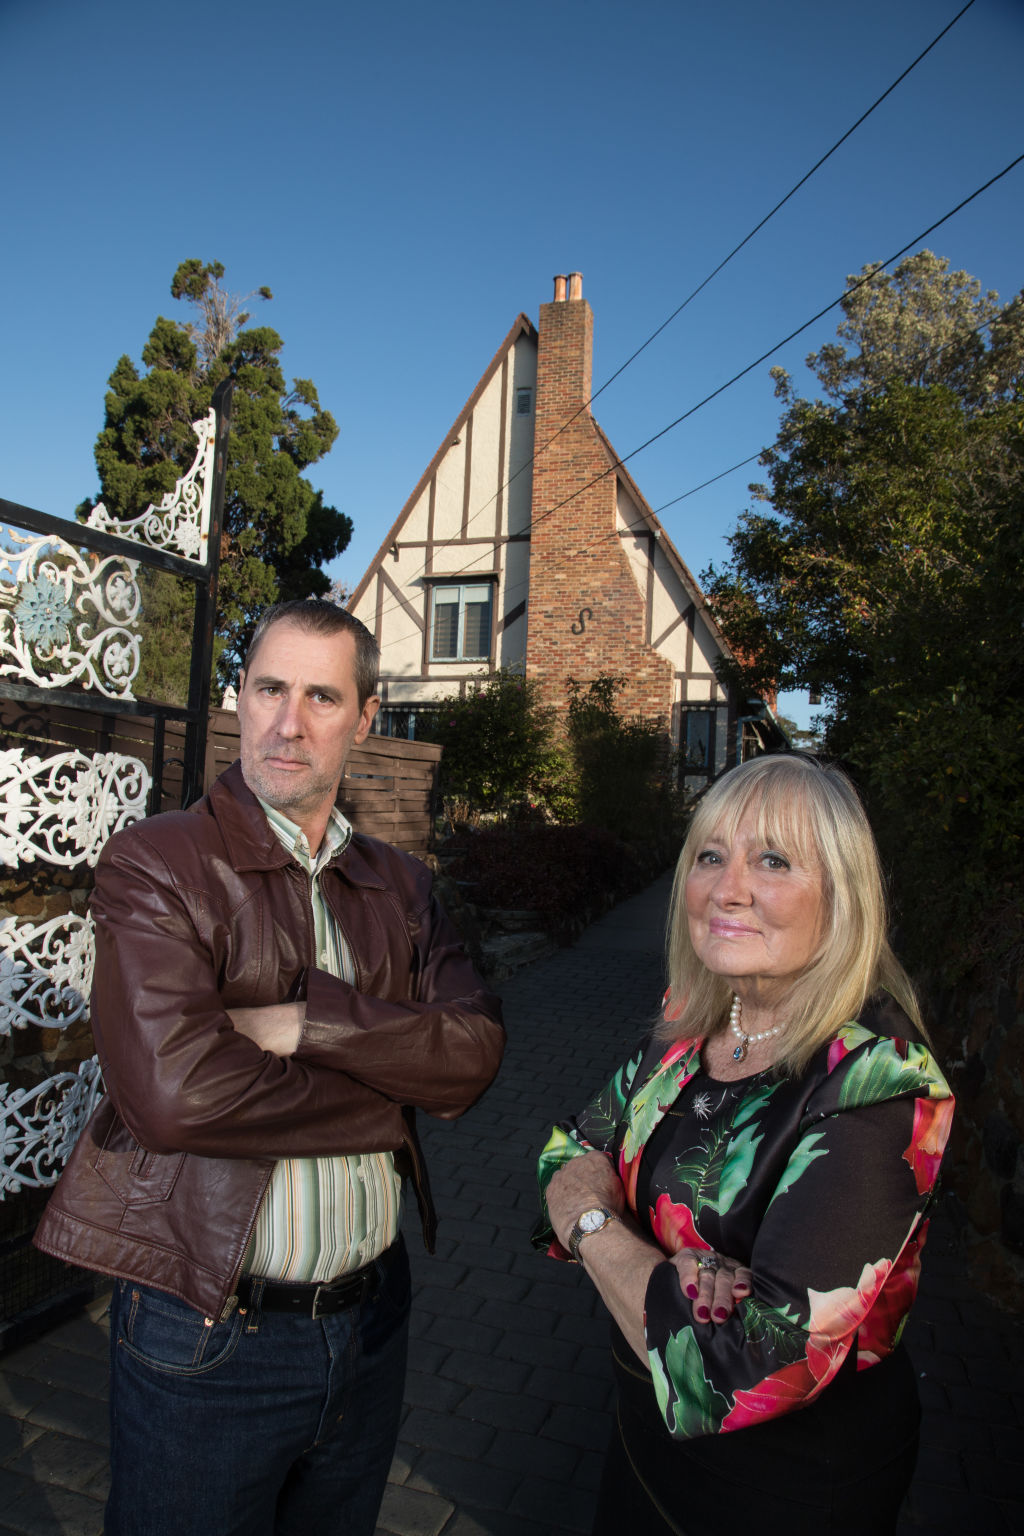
754, 911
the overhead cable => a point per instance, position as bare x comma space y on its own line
716, 271
764, 356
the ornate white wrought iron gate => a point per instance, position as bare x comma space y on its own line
70, 635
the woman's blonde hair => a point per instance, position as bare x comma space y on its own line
811, 812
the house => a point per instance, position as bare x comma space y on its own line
526, 544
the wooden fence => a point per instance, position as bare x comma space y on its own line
389, 787
388, 791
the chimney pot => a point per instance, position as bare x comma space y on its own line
559, 288
575, 285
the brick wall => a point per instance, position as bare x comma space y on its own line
577, 562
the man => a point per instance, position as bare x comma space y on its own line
271, 994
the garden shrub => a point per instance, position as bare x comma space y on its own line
495, 741
620, 764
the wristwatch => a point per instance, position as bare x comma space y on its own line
585, 1225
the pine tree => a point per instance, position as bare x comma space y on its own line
278, 533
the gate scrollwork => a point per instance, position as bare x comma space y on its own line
67, 617
40, 1125
179, 521
62, 809
45, 972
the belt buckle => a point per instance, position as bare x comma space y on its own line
330, 1287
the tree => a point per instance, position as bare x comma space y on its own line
888, 575
277, 530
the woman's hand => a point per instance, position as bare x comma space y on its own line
580, 1185
713, 1282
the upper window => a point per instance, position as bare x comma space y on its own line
524, 400
461, 623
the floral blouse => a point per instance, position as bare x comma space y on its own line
819, 1183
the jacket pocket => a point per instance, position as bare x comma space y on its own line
136, 1176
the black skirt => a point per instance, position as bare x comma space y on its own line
840, 1467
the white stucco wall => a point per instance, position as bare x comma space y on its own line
468, 540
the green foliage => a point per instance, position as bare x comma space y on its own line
887, 574
619, 785
495, 742
277, 530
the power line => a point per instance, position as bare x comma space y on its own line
705, 483
713, 395
714, 273
869, 277
780, 204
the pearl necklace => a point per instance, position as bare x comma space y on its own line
745, 1040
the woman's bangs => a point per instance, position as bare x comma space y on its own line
783, 817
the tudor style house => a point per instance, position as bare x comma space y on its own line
526, 544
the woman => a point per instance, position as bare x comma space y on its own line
778, 1137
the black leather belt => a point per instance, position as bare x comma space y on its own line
330, 1296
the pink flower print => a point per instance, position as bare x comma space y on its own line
778, 1394
670, 1010
880, 1330
674, 1228
932, 1120
836, 1315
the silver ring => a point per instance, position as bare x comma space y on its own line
707, 1261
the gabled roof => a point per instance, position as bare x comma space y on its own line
675, 559
523, 326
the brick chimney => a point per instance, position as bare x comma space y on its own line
586, 614
565, 352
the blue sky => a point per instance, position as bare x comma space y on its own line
407, 179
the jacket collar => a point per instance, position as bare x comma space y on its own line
648, 1104
250, 840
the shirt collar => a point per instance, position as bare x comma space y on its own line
290, 836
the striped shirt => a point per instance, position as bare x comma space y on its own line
323, 1216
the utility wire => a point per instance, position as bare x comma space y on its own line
868, 394
867, 278
705, 483
780, 204
853, 287
723, 263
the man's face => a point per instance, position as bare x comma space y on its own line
299, 715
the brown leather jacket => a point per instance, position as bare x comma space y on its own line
203, 910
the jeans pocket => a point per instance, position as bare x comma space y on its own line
168, 1335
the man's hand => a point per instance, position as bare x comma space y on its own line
276, 1028
580, 1185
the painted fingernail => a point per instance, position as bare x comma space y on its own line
691, 1291
719, 1314
702, 1314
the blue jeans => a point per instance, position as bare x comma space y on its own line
265, 1425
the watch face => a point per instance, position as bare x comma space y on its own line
592, 1221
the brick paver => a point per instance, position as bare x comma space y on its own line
509, 1396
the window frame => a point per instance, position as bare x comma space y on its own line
462, 586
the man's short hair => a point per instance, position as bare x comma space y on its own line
319, 617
